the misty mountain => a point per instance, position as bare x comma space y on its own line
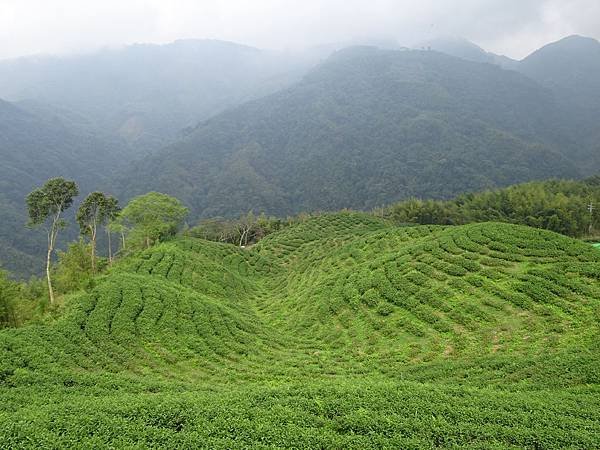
37, 143
363, 128
366, 127
146, 94
570, 68
462, 48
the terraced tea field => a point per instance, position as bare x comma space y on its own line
340, 332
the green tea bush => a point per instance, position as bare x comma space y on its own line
340, 331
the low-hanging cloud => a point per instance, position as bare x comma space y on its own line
512, 27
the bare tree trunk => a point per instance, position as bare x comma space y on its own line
109, 248
50, 290
52, 234
244, 235
93, 232
94, 254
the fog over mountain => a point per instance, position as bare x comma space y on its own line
511, 27
146, 94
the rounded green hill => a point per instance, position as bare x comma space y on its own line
340, 332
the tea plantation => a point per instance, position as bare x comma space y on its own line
339, 332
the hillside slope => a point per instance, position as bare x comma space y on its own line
146, 94
35, 146
367, 127
342, 331
570, 68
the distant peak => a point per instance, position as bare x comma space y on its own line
577, 37
456, 46
573, 43
208, 42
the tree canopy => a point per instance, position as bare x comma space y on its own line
95, 211
54, 197
46, 204
152, 217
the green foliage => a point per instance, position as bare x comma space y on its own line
152, 217
491, 328
73, 270
95, 211
247, 230
53, 198
556, 205
45, 206
21, 302
9, 294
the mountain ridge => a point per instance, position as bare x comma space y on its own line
360, 96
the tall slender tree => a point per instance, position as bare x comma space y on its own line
45, 206
95, 211
112, 212
116, 226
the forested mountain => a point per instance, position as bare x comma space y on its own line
570, 68
366, 127
35, 146
462, 48
87, 116
147, 94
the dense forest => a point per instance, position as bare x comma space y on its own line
557, 205
367, 127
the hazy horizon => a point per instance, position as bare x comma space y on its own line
510, 27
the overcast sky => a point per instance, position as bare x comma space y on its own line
511, 27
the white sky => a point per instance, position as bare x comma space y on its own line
511, 27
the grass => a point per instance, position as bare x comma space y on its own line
340, 332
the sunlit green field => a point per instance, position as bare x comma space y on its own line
340, 332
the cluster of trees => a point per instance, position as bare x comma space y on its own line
557, 205
145, 220
246, 230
